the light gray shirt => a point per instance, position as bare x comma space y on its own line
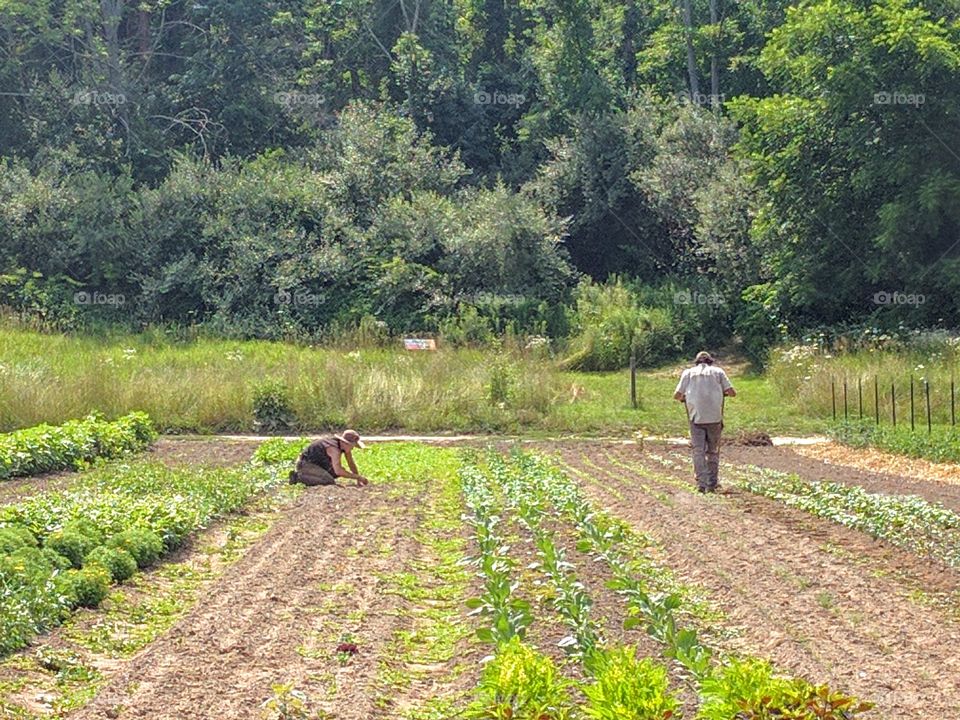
703, 386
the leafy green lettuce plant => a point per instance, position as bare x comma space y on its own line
521, 683
626, 688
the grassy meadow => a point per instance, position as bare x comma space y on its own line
207, 385
212, 385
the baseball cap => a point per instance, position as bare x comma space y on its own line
352, 437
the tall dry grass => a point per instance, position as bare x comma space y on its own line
207, 385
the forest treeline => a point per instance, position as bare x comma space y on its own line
278, 168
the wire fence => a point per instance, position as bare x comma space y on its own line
854, 401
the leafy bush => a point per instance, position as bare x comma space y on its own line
72, 544
144, 546
612, 325
89, 585
45, 448
466, 328
272, 409
523, 684
628, 689
118, 562
13, 538
748, 690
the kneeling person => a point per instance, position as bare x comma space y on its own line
320, 461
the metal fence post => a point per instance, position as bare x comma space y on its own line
912, 413
876, 396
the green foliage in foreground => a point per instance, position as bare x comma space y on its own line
942, 444
749, 690
521, 683
626, 688
65, 548
72, 445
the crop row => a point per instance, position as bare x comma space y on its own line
907, 521
522, 683
61, 550
74, 444
732, 689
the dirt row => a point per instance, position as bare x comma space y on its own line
819, 600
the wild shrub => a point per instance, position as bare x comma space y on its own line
466, 328
272, 407
612, 325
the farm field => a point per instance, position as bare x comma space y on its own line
349, 603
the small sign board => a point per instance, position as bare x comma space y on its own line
419, 344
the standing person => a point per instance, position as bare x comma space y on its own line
702, 389
319, 463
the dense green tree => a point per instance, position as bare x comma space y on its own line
855, 154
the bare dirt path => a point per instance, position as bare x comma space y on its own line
819, 600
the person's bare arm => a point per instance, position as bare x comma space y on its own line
352, 474
679, 396
730, 392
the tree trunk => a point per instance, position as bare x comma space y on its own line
143, 31
629, 48
691, 58
714, 60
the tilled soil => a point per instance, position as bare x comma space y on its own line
820, 601
267, 620
201, 452
12, 491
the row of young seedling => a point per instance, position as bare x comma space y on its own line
520, 682
728, 689
907, 521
